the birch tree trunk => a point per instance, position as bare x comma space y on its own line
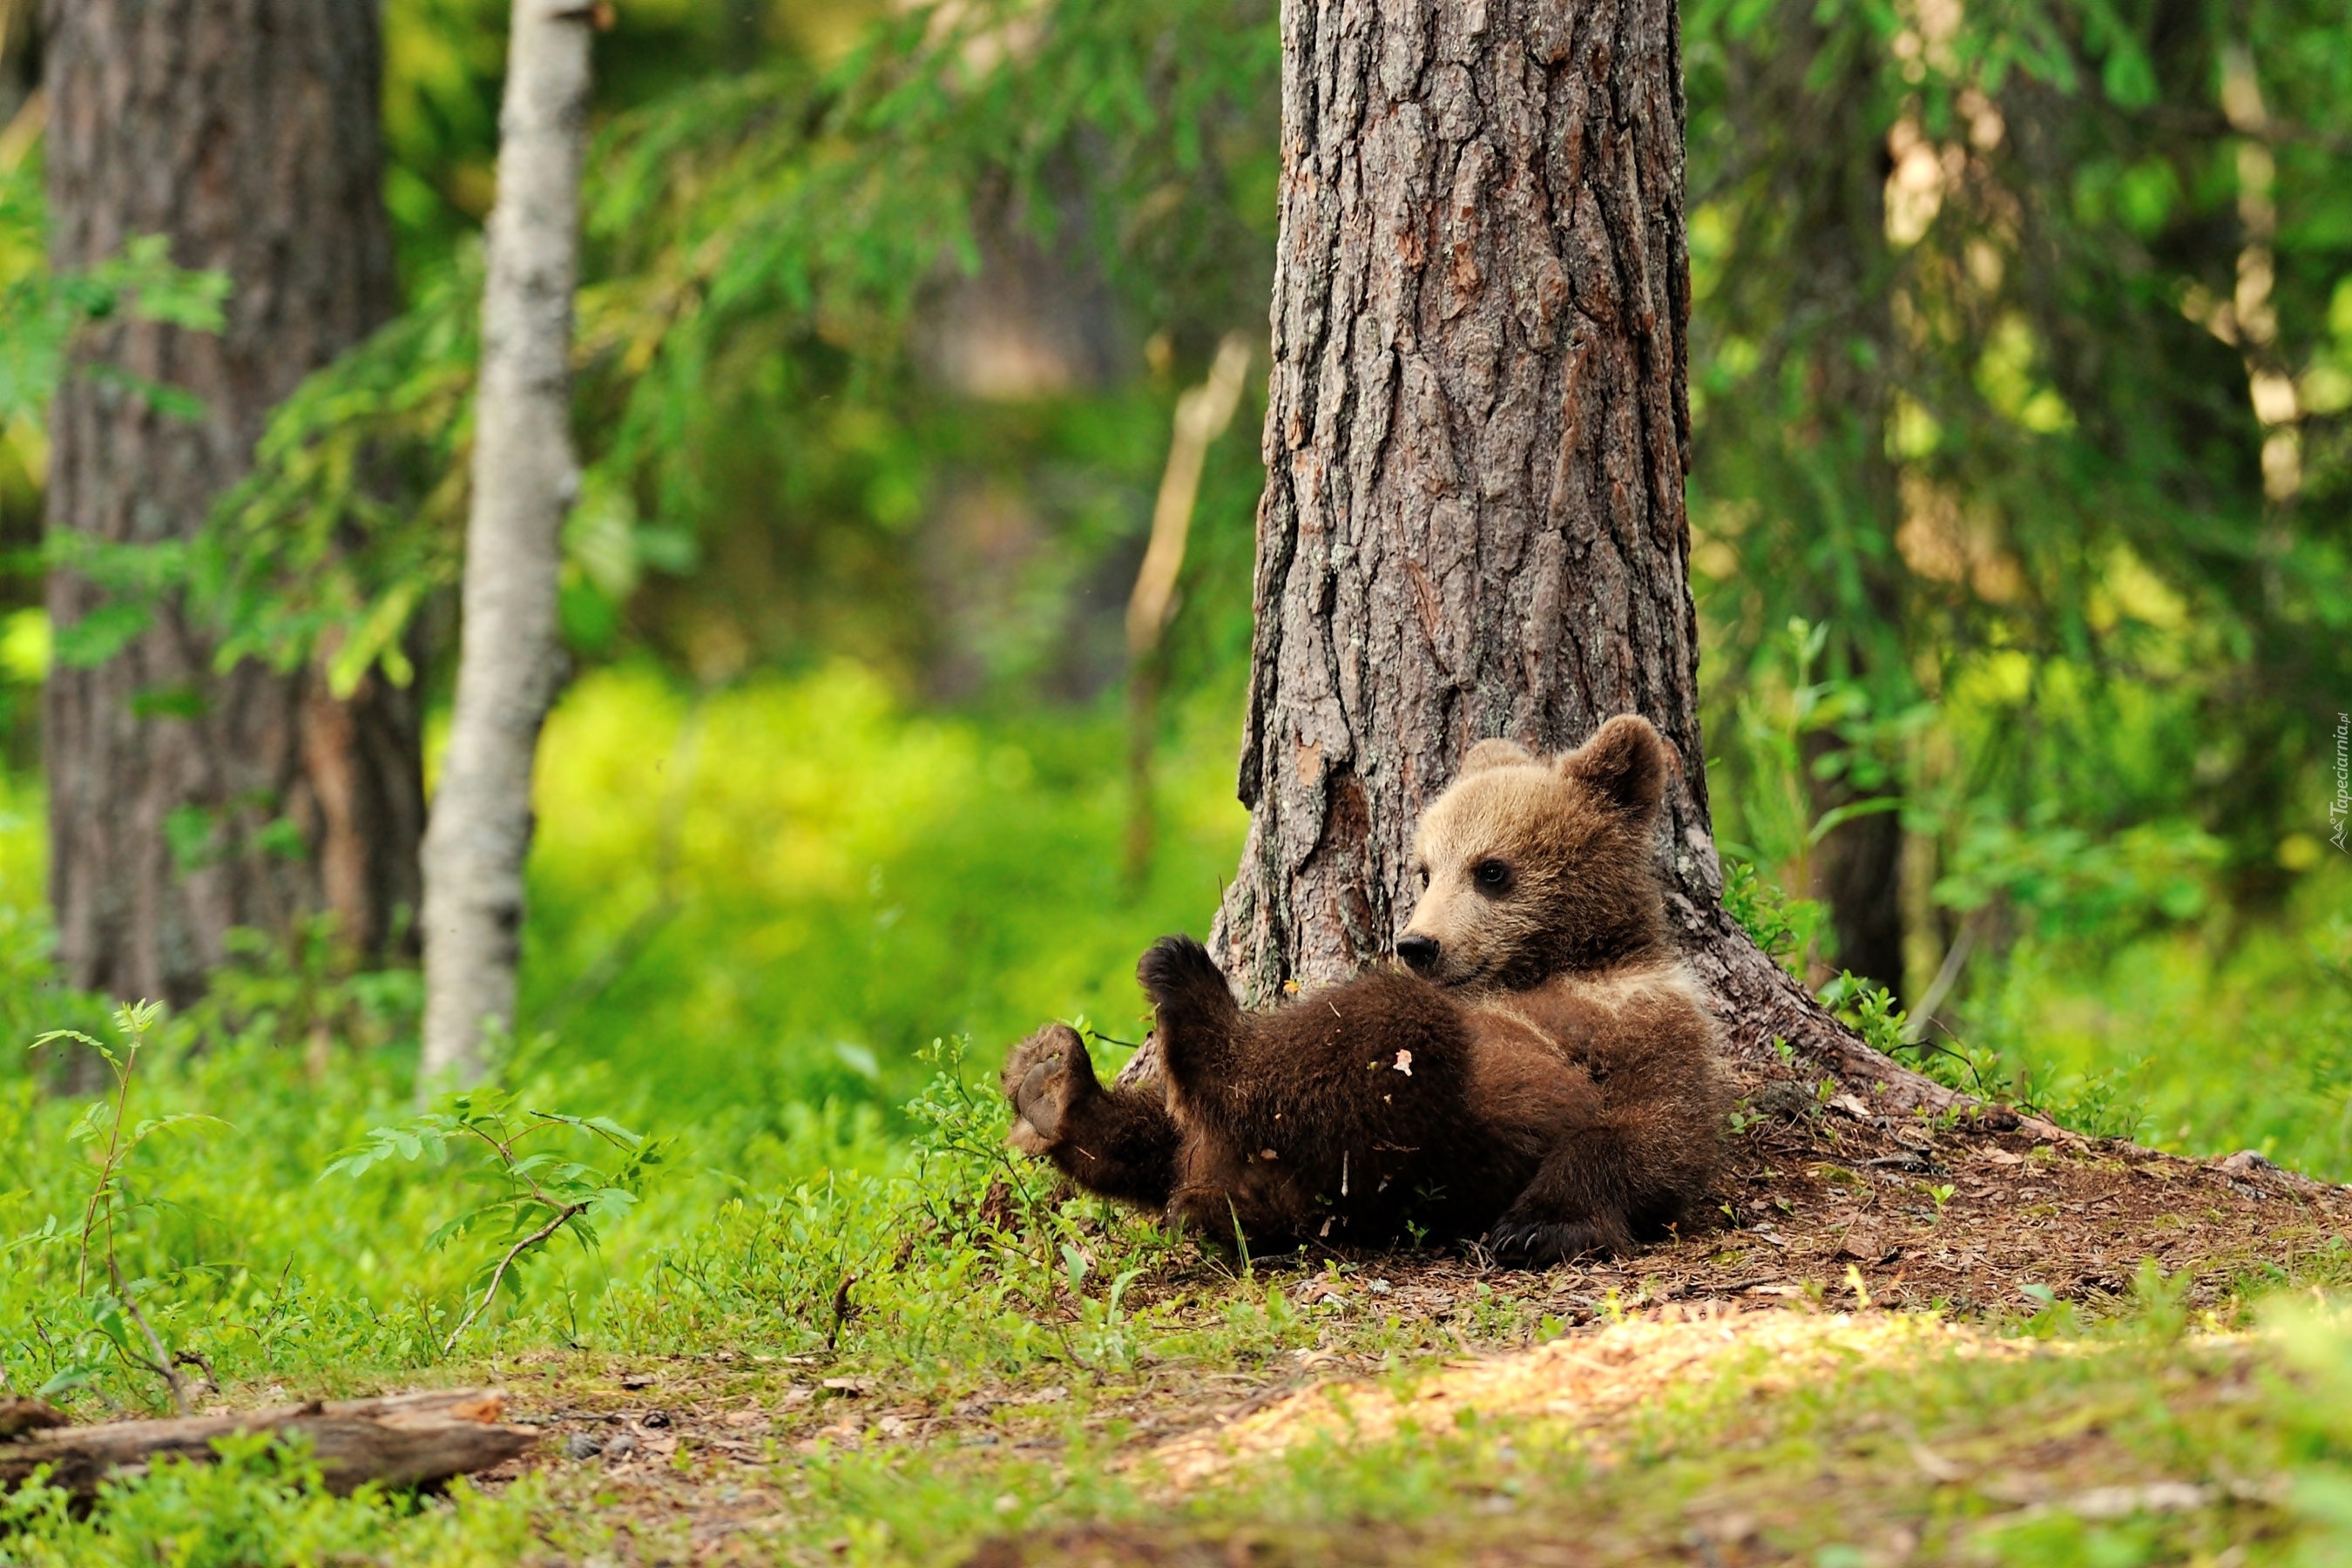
1476, 440
525, 477
182, 801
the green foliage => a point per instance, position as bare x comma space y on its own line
373, 448
937, 1263
1988, 416
2319, 1351
2212, 1041
111, 1309
1800, 736
961, 1260
1868, 1010
808, 881
258, 1501
532, 1197
43, 316
45, 319
49, 324
997, 849
1785, 927
2136, 1441
756, 244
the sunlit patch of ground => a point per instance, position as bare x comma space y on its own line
1587, 1382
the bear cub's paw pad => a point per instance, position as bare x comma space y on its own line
1534, 1243
1045, 1075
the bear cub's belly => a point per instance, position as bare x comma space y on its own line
1387, 1108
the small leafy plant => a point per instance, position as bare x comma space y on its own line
106, 1127
1872, 1012
1787, 928
539, 1192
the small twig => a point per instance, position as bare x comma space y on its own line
197, 1359
1983, 1088
507, 1159
841, 1311
548, 1118
162, 1365
499, 1273
1946, 974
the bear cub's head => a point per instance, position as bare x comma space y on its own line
1531, 866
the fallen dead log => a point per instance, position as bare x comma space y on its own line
401, 1440
18, 1416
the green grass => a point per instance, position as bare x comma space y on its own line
2195, 1042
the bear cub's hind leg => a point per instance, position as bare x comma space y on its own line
1047, 1075
1199, 1021
1121, 1144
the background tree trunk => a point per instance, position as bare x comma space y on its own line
1476, 440
1838, 326
184, 802
510, 660
1858, 874
20, 58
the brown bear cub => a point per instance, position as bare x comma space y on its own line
1546, 1076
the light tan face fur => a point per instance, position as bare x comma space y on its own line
1530, 864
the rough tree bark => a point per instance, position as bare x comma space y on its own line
1475, 441
246, 130
525, 477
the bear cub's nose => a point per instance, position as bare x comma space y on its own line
1418, 952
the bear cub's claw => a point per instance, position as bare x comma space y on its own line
1535, 1244
1046, 1076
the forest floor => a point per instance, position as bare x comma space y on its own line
1887, 1349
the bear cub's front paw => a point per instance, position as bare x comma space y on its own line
1046, 1076
1523, 1243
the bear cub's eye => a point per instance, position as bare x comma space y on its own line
1491, 877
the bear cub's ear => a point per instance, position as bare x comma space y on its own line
1497, 754
1626, 764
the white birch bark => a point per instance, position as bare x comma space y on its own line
525, 477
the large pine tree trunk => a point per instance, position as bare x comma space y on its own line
1477, 436
510, 660
184, 802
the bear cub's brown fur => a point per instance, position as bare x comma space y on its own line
1546, 1076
